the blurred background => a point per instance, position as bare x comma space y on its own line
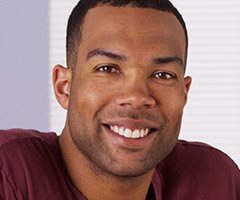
32, 41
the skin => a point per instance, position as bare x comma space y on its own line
129, 73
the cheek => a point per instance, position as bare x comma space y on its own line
88, 97
171, 101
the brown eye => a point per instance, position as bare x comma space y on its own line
164, 75
107, 69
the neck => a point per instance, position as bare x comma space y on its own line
94, 183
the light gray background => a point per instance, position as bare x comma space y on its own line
24, 64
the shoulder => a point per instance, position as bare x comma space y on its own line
16, 144
200, 166
202, 153
198, 156
27, 158
7, 137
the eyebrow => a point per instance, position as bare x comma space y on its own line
166, 60
115, 56
102, 52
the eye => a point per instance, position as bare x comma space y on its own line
108, 69
164, 75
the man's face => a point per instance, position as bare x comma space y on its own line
128, 89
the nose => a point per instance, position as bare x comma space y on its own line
135, 95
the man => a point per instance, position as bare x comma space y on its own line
124, 90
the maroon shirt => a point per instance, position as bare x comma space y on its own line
31, 169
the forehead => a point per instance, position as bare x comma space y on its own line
107, 26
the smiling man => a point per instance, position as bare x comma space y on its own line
125, 90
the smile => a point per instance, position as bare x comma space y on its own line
126, 132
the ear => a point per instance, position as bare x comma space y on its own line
61, 78
187, 84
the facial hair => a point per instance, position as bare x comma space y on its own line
88, 138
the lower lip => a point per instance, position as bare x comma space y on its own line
130, 143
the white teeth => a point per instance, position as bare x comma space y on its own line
115, 129
121, 131
136, 134
128, 133
146, 132
142, 132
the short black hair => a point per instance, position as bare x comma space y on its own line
79, 12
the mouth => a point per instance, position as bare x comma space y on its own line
130, 133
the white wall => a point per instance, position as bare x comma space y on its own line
213, 111
24, 64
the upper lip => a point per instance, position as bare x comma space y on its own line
132, 124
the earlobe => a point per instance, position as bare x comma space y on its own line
61, 78
187, 84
